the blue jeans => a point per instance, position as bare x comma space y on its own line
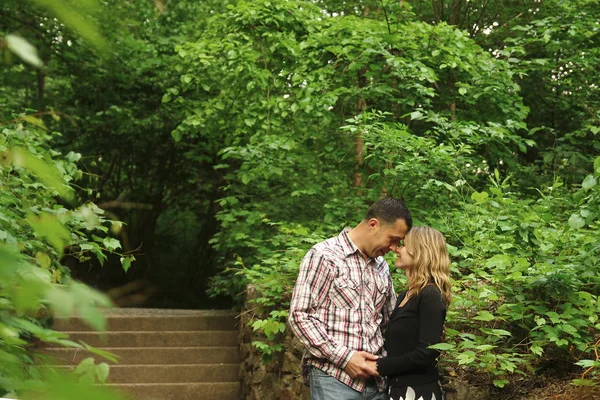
326, 387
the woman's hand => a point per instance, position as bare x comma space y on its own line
373, 366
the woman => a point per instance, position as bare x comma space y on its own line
418, 318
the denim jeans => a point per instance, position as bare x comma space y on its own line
326, 387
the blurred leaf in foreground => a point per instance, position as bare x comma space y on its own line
23, 49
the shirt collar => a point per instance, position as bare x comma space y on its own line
347, 245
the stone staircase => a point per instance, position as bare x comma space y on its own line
163, 354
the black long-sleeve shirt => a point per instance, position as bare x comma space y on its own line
411, 329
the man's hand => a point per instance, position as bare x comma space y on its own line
357, 367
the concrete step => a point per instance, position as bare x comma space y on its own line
162, 354
180, 391
201, 321
193, 373
152, 356
155, 339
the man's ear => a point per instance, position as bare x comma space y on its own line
373, 222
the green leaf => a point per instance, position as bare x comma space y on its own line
61, 302
102, 371
111, 244
587, 363
442, 346
262, 346
479, 197
44, 260
500, 382
537, 349
24, 50
466, 358
576, 221
484, 316
584, 382
485, 347
99, 255
102, 353
47, 173
499, 261
176, 135
10, 335
10, 262
462, 91
126, 262
47, 226
88, 246
570, 329
34, 121
93, 317
589, 182
416, 115
85, 365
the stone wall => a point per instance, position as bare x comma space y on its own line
281, 379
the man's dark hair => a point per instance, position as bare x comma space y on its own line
388, 210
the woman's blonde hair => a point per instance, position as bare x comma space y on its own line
428, 248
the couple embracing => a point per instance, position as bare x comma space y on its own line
362, 341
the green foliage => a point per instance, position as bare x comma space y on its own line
233, 135
440, 122
38, 226
35, 230
271, 327
108, 108
554, 53
526, 283
272, 279
264, 107
71, 12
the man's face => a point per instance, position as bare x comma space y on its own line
384, 237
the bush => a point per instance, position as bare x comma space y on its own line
37, 224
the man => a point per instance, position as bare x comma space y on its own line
342, 299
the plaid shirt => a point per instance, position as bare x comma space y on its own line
341, 304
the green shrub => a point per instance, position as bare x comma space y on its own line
38, 224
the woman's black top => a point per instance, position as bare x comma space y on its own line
411, 329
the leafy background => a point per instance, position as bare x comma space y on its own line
194, 148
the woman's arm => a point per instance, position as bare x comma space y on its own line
432, 312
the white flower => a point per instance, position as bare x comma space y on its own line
410, 395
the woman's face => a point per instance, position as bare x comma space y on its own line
404, 260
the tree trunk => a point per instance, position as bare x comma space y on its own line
358, 140
438, 10
455, 13
41, 83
